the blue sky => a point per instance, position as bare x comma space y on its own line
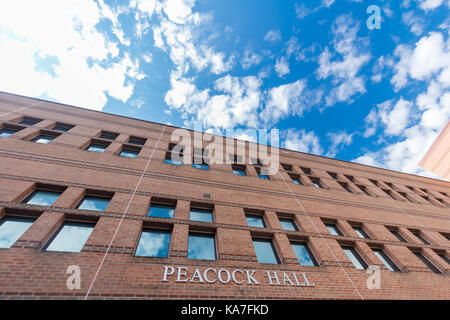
312, 69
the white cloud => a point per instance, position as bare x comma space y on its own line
415, 23
282, 67
250, 59
272, 36
301, 140
430, 4
338, 141
89, 65
284, 100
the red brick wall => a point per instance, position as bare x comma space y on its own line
28, 271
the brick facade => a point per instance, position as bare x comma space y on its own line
29, 271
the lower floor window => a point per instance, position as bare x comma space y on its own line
71, 237
12, 229
153, 243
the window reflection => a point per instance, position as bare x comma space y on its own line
265, 251
161, 211
42, 198
304, 254
71, 237
94, 203
201, 246
153, 244
12, 229
201, 215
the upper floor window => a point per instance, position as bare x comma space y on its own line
389, 193
94, 202
288, 224
426, 262
333, 229
296, 179
363, 189
287, 167
201, 246
255, 220
8, 130
239, 169
201, 214
351, 178
162, 209
261, 175
443, 256
398, 235
137, 140
388, 263
316, 183
168, 159
153, 243
129, 152
29, 121
265, 251
345, 187
108, 135
59, 126
11, 229
361, 233
355, 258
333, 175
42, 197
304, 255
97, 146
44, 138
71, 237
419, 236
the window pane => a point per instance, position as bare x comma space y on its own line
12, 229
61, 128
169, 161
421, 238
333, 229
265, 251
42, 198
161, 211
201, 215
288, 224
6, 133
71, 237
355, 258
200, 166
427, 262
255, 221
96, 147
201, 247
386, 260
263, 176
153, 244
129, 153
43, 139
361, 233
94, 203
303, 254
398, 236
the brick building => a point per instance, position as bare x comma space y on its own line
93, 197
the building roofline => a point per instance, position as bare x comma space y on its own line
280, 148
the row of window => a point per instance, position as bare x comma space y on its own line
165, 208
71, 237
132, 149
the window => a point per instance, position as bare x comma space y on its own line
261, 175
333, 229
8, 130
426, 262
11, 229
255, 221
129, 152
153, 243
203, 165
169, 159
94, 202
296, 179
404, 195
137, 140
201, 246
389, 184
304, 254
389, 264
108, 135
306, 170
333, 175
288, 224
398, 235
363, 189
236, 159
354, 257
29, 121
97, 146
199, 161
345, 187
316, 183
161, 210
287, 167
71, 237
62, 127
256, 162
42, 197
43, 138
388, 192
375, 182
361, 233
351, 178
265, 251
205, 215
427, 199
239, 169
419, 236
